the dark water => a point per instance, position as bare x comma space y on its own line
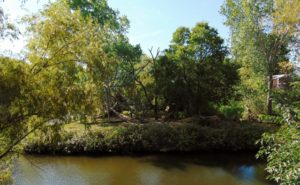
208, 169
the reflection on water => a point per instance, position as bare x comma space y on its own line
146, 170
247, 172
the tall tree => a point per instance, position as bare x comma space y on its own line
198, 56
256, 47
286, 23
61, 78
117, 47
101, 13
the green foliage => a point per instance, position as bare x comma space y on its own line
271, 119
120, 84
288, 100
231, 111
6, 171
256, 48
5, 177
101, 13
60, 81
81, 66
282, 148
13, 79
67, 74
168, 137
259, 44
196, 63
283, 155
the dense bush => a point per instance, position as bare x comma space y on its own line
231, 111
271, 119
194, 72
282, 150
5, 176
167, 137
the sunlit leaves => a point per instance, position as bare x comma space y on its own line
286, 16
283, 155
195, 63
68, 61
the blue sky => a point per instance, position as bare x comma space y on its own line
152, 23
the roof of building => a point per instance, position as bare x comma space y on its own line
278, 76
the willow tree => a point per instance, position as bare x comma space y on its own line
64, 43
61, 77
66, 67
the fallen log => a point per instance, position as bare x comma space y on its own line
123, 117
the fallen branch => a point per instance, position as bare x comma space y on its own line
121, 116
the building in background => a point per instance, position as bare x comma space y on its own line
280, 81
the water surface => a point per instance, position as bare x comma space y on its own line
206, 169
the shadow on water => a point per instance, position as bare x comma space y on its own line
242, 165
167, 169
180, 161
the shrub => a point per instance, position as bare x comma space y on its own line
282, 150
264, 118
5, 170
232, 111
167, 137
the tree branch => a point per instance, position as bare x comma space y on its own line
8, 150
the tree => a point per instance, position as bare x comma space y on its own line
281, 149
7, 28
262, 32
13, 79
196, 72
122, 79
65, 81
122, 83
60, 81
99, 10
62, 78
286, 22
257, 47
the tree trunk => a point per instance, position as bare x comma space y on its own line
123, 117
269, 96
154, 59
155, 108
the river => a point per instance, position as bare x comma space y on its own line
205, 169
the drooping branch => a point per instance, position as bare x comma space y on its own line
16, 142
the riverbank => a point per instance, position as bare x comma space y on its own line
125, 138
